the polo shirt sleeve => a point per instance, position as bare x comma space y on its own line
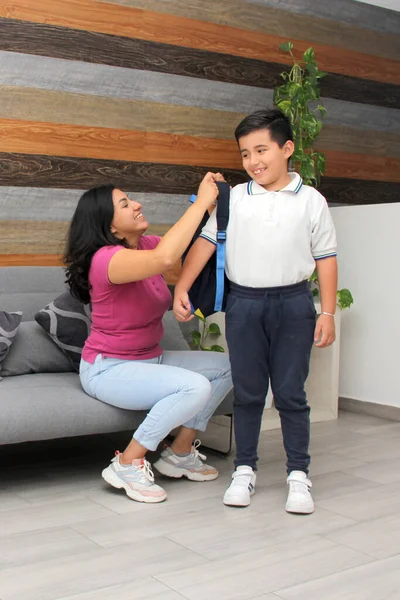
323, 234
209, 231
98, 273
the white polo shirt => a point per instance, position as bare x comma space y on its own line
274, 238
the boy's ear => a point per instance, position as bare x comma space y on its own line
288, 148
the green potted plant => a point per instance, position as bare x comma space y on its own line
298, 97
207, 330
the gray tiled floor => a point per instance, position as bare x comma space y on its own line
66, 536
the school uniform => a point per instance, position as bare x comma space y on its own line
273, 241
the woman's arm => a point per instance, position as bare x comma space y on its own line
134, 265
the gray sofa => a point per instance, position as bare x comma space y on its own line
40, 405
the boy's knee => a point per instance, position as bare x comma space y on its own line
247, 399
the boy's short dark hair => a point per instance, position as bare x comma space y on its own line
272, 119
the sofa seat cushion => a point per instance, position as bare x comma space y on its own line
46, 406
52, 405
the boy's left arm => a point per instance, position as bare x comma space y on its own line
327, 276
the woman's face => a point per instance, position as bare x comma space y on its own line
128, 220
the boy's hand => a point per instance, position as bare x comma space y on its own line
324, 334
181, 307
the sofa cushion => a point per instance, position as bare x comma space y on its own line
67, 322
34, 352
9, 323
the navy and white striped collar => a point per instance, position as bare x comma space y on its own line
294, 186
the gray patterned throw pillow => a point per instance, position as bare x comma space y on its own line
9, 323
67, 321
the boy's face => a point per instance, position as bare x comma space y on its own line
263, 159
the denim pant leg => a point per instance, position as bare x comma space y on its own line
291, 344
215, 367
248, 351
172, 395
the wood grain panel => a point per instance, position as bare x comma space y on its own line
343, 11
81, 109
31, 260
57, 42
358, 141
55, 260
276, 21
44, 237
357, 191
130, 22
362, 166
27, 70
50, 204
117, 144
53, 107
68, 173
79, 173
118, 51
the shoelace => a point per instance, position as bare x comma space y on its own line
146, 471
197, 454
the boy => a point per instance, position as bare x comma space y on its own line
278, 230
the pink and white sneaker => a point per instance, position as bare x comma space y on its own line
136, 479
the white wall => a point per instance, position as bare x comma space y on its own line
369, 265
392, 4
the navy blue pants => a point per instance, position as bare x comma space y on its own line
270, 334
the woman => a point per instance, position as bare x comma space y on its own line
111, 264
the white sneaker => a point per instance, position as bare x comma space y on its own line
136, 479
242, 487
299, 498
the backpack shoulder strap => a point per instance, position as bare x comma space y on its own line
222, 224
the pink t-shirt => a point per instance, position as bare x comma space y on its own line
126, 318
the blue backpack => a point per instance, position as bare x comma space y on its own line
209, 291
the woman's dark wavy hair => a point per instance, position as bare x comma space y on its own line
88, 232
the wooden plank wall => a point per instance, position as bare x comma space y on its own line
146, 94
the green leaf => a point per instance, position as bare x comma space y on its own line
286, 46
322, 110
345, 298
315, 292
206, 348
320, 162
195, 343
216, 348
309, 56
285, 106
214, 329
196, 335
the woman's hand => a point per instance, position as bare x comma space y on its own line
208, 190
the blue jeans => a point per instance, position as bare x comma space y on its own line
178, 388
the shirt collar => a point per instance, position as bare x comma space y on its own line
294, 185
